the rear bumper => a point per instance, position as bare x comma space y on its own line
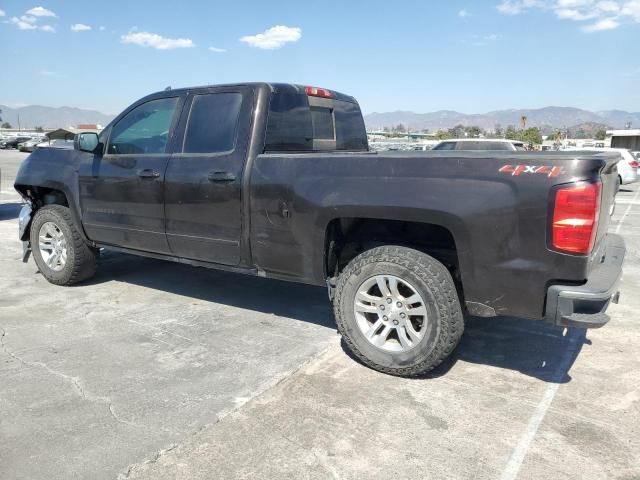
584, 306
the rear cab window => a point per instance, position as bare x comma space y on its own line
298, 122
484, 146
445, 146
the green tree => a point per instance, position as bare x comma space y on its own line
498, 132
39, 129
511, 133
6, 125
442, 134
473, 131
531, 136
456, 132
601, 134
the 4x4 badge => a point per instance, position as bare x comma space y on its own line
516, 170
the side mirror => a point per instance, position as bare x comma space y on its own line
87, 142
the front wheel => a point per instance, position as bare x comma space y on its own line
398, 311
59, 251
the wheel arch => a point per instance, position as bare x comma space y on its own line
50, 193
347, 237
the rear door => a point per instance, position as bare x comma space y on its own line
204, 177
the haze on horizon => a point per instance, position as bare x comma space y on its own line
471, 57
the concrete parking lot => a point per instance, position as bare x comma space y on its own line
158, 370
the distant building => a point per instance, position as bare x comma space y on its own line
625, 138
68, 133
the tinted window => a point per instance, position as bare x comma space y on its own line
445, 146
351, 133
483, 146
212, 123
293, 125
289, 123
322, 121
145, 129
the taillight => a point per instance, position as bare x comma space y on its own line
634, 164
575, 217
318, 92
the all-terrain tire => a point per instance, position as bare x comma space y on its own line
81, 260
433, 282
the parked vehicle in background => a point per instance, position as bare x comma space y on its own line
480, 144
277, 180
627, 175
30, 145
13, 142
56, 143
637, 155
627, 167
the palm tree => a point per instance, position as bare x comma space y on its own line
523, 122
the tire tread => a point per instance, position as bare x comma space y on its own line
84, 258
440, 282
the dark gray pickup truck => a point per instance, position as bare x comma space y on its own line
277, 180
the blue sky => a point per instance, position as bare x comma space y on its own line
470, 56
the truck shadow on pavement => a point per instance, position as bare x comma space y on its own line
533, 348
297, 301
9, 211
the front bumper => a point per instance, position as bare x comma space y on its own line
584, 306
24, 222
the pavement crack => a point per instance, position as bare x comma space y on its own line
152, 460
74, 381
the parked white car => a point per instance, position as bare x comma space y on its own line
494, 144
56, 143
627, 168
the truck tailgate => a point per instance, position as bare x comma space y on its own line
609, 177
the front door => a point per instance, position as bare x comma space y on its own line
204, 176
122, 191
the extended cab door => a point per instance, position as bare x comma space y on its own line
204, 176
122, 190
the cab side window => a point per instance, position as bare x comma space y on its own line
212, 124
145, 129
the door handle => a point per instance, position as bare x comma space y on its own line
148, 173
221, 177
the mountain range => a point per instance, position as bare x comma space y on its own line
51, 117
547, 117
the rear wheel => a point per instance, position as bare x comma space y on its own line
398, 310
59, 251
